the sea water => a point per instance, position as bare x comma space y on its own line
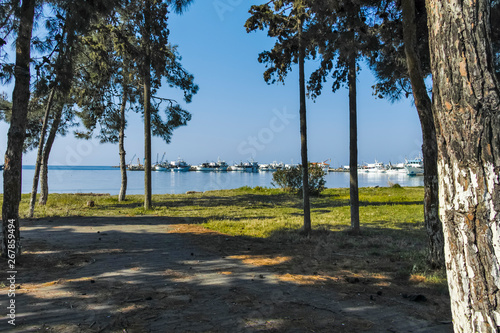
105, 179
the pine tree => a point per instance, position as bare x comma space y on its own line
401, 63
339, 37
287, 21
13, 155
126, 59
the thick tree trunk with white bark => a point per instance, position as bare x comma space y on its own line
467, 116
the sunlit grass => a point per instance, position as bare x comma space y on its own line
391, 219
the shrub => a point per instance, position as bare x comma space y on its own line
290, 179
394, 185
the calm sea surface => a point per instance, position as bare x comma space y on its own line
104, 179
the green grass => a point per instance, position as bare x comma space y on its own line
254, 212
391, 218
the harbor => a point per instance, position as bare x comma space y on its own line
107, 179
413, 167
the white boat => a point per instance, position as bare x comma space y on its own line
247, 167
161, 166
221, 165
377, 167
202, 167
396, 168
264, 167
179, 165
414, 167
212, 166
272, 166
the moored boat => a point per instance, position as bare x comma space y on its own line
377, 167
212, 166
179, 165
396, 168
203, 167
221, 165
247, 167
414, 167
161, 166
1, 167
272, 166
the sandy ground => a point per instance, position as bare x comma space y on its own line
157, 274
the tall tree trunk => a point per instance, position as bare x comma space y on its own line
39, 154
147, 142
17, 132
121, 145
466, 107
303, 137
147, 107
353, 147
44, 171
433, 226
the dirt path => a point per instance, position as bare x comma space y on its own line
138, 274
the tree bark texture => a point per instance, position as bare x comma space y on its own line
121, 147
39, 154
303, 137
353, 148
466, 106
44, 170
433, 226
17, 130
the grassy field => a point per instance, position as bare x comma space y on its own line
391, 220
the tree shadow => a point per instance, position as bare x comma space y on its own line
151, 273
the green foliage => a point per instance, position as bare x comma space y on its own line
388, 59
290, 179
112, 69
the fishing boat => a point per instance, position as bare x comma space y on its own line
179, 165
246, 167
377, 167
396, 168
212, 166
1, 167
164, 166
414, 167
221, 165
272, 166
264, 167
161, 165
203, 167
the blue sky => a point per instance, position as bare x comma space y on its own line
237, 116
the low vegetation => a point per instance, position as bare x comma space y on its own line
392, 243
290, 179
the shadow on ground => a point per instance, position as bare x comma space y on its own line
161, 274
